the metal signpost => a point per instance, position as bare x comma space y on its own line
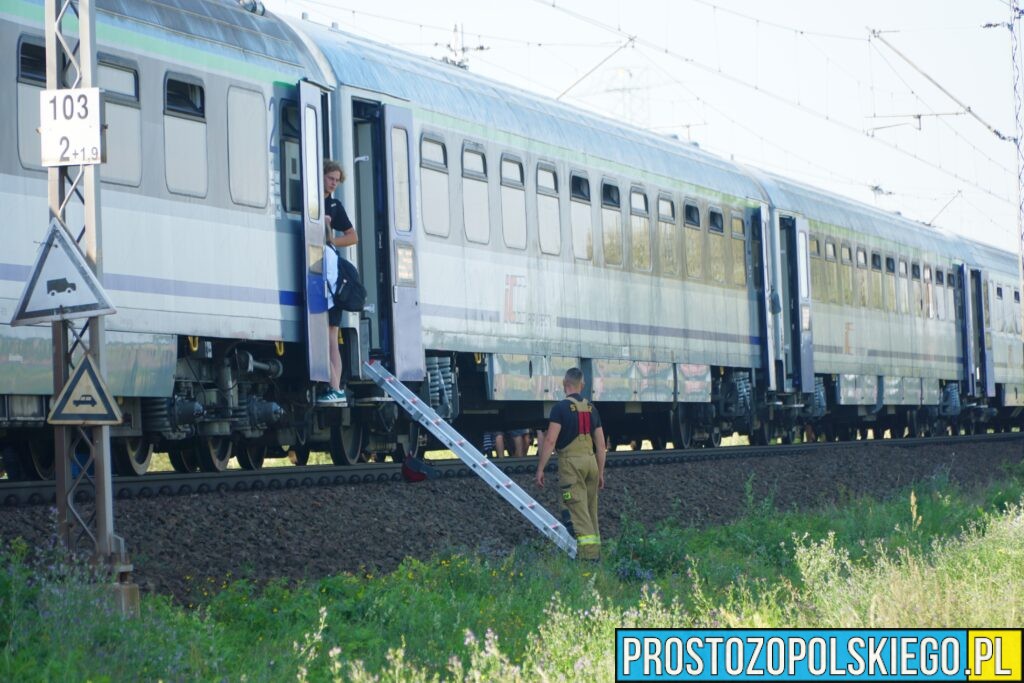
65, 288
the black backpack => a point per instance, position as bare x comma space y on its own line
350, 293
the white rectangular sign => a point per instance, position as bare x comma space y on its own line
70, 127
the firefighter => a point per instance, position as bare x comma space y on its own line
575, 432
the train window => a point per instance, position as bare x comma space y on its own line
32, 62
940, 296
739, 255
433, 153
639, 231
951, 279
547, 180
716, 221
247, 156
400, 178
1016, 296
580, 188
434, 197
579, 216
312, 198
512, 172
861, 277
121, 113
118, 81
31, 79
549, 220
846, 276
185, 160
474, 163
915, 271
999, 293
716, 245
668, 247
802, 264
916, 293
611, 224
830, 251
904, 288
185, 97
692, 216
876, 295
929, 292
291, 173
475, 205
889, 302
513, 203
815, 248
739, 227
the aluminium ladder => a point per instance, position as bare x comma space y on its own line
529, 508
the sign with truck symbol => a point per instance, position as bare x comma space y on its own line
62, 285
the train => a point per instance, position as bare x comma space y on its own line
504, 237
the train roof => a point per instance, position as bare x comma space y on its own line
449, 90
221, 23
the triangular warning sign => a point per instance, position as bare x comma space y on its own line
62, 285
84, 400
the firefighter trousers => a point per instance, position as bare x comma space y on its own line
578, 478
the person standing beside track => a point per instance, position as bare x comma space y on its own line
575, 432
341, 233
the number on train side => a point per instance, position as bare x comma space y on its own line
70, 129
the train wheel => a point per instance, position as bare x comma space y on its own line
131, 455
252, 454
715, 437
347, 444
790, 434
182, 460
682, 430
657, 443
213, 453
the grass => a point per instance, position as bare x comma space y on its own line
933, 556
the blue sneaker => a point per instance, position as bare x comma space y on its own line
333, 398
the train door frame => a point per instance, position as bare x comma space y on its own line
768, 304
391, 326
798, 327
977, 360
311, 144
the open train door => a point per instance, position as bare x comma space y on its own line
407, 325
795, 286
977, 337
312, 131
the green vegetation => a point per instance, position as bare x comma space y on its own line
935, 556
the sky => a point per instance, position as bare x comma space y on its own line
892, 103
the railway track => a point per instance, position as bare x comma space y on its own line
29, 493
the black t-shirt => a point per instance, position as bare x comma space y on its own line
562, 414
339, 219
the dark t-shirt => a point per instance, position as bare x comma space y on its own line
563, 415
339, 219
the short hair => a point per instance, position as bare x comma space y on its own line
330, 166
573, 377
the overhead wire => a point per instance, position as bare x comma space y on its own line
825, 116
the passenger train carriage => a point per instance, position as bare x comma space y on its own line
504, 237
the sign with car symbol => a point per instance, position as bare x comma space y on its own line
62, 285
85, 400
